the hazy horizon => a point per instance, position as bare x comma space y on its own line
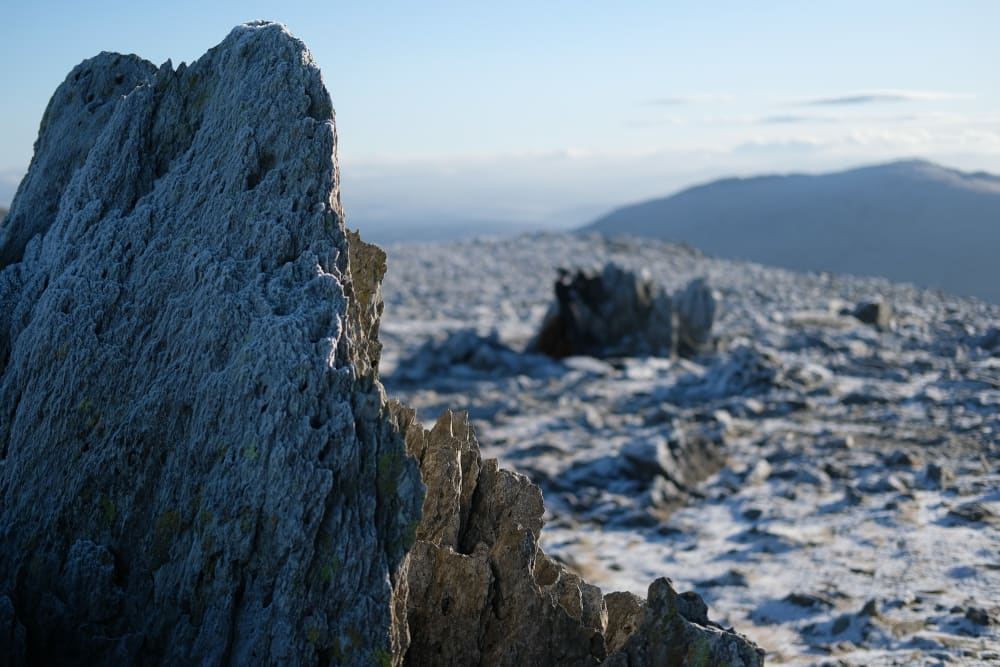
552, 115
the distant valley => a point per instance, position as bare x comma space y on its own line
911, 221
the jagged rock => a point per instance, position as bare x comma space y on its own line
73, 121
195, 462
695, 307
613, 312
481, 591
675, 630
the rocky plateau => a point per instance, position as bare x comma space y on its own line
826, 476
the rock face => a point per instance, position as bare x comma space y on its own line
198, 464
482, 592
195, 462
607, 313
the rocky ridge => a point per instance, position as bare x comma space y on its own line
198, 461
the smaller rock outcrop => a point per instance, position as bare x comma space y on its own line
607, 313
478, 590
615, 312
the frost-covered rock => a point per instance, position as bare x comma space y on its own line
466, 348
680, 458
195, 462
74, 119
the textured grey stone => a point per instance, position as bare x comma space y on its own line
624, 616
195, 462
481, 591
75, 117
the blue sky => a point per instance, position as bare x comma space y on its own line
552, 112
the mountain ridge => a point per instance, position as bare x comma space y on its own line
908, 220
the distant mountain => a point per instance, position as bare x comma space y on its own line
910, 221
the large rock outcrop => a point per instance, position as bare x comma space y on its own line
198, 464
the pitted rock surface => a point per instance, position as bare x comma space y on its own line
196, 466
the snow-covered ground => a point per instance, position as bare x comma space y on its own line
857, 517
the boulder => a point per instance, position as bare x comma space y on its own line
196, 466
612, 312
669, 466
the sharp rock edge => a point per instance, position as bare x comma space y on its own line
197, 461
480, 591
